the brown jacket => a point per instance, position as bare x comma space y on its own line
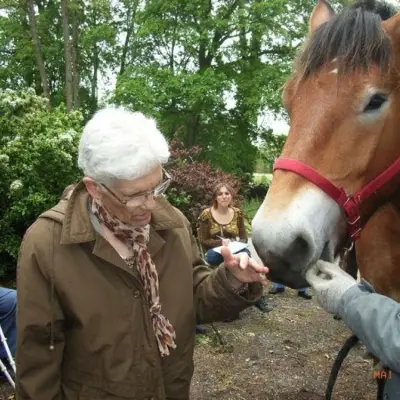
84, 329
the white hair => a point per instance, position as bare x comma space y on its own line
120, 144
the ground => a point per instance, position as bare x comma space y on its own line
6, 392
286, 354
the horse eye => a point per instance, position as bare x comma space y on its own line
375, 102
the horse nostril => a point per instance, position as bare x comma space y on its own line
298, 251
300, 245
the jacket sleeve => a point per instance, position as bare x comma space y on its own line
40, 339
204, 233
214, 299
375, 319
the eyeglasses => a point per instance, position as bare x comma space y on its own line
139, 199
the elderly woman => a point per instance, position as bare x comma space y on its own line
110, 283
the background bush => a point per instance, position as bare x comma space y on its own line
37, 160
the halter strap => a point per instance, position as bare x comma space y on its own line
351, 204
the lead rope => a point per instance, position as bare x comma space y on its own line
343, 352
381, 385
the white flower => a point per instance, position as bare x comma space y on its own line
16, 185
4, 159
67, 137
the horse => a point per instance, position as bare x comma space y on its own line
337, 181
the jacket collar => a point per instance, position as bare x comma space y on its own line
77, 227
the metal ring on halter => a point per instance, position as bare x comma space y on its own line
355, 221
356, 233
349, 198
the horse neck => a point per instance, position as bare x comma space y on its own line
378, 252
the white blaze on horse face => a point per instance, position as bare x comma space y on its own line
306, 230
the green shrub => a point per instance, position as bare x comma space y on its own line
37, 160
249, 208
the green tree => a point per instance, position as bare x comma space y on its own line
60, 48
270, 149
187, 58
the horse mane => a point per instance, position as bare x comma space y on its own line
354, 38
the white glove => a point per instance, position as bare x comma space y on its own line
330, 283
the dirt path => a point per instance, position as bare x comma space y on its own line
285, 354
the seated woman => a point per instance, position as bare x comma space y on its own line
221, 223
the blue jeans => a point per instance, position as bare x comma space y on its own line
279, 286
214, 258
8, 308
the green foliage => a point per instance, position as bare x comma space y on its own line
37, 160
249, 208
270, 149
262, 179
206, 70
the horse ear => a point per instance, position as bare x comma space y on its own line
322, 13
392, 28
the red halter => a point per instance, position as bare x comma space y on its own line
351, 204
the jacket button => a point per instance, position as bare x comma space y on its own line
136, 294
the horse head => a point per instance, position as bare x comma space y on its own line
343, 101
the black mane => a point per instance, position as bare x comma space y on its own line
354, 37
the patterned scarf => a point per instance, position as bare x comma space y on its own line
137, 239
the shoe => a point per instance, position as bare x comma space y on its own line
276, 290
200, 330
304, 295
263, 307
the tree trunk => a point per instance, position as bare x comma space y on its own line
95, 63
95, 76
129, 31
67, 56
74, 55
38, 52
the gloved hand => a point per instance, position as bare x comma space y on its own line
330, 283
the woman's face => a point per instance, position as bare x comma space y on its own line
137, 210
224, 197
